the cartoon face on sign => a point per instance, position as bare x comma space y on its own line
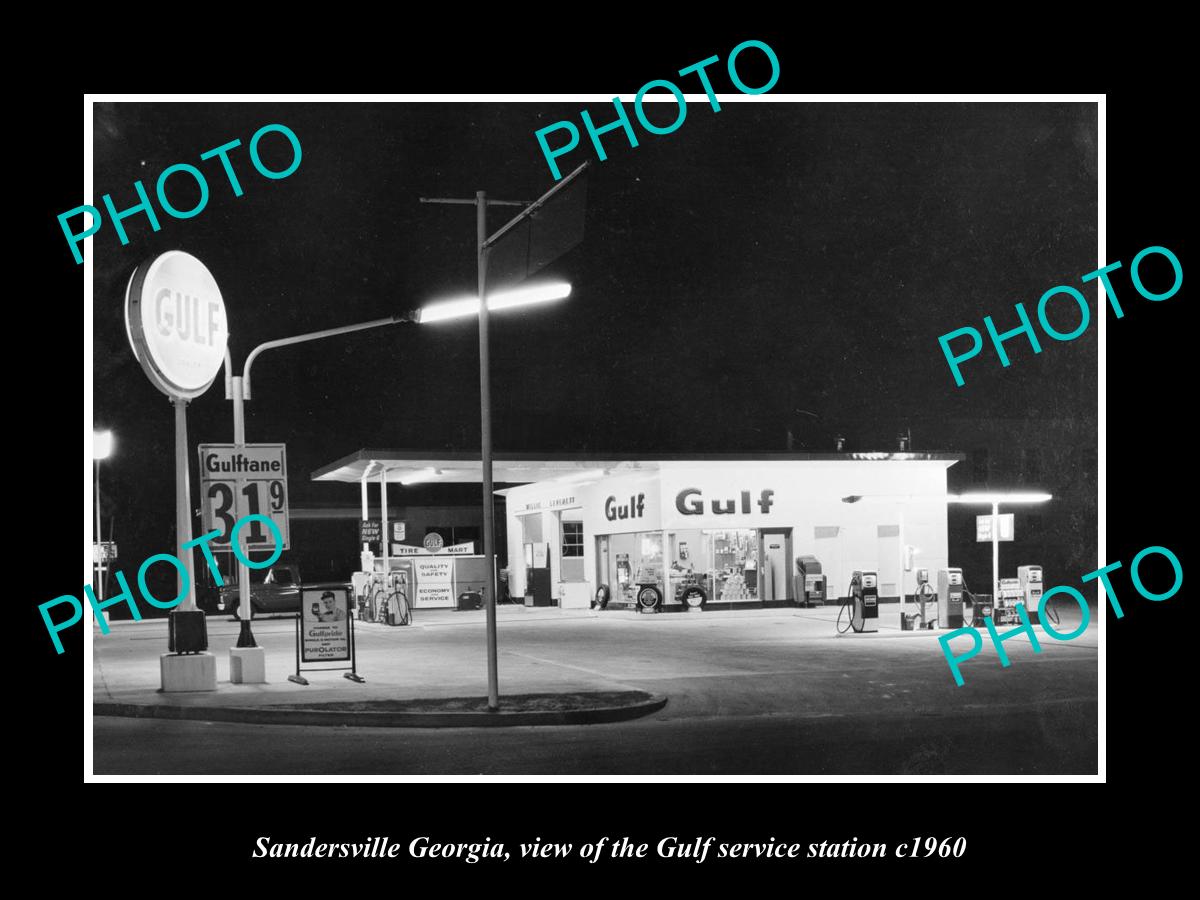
326, 609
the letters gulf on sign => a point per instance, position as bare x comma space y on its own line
175, 320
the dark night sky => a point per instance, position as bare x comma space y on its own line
767, 258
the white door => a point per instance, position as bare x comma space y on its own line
775, 561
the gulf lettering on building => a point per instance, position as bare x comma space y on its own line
634, 508
690, 502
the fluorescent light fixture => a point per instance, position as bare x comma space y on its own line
420, 475
102, 444
998, 498
469, 306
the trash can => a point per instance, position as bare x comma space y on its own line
187, 631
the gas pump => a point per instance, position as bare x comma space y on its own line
810, 582
927, 606
814, 589
1029, 583
950, 598
863, 602
1008, 595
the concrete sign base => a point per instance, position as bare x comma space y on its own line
247, 665
188, 672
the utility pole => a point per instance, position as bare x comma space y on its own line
481, 203
483, 245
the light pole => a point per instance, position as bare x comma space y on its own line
237, 389
102, 448
483, 245
994, 500
452, 309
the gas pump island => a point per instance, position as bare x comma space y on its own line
946, 606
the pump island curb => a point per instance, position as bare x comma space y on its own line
297, 714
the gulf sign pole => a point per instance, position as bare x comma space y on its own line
251, 660
175, 321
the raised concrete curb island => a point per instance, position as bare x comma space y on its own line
615, 709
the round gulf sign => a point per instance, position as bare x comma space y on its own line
175, 319
433, 542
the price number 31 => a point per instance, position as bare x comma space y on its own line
220, 494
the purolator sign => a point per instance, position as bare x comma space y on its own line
175, 319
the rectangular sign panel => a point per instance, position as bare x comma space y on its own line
467, 549
435, 582
324, 624
983, 527
236, 482
104, 552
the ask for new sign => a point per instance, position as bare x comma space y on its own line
983, 527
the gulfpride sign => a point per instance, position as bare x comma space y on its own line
175, 318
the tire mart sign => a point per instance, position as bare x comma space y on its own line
241, 481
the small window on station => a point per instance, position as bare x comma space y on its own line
572, 539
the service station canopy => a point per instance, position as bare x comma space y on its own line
422, 467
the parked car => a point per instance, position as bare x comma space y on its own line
278, 592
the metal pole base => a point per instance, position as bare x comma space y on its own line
354, 677
298, 679
246, 636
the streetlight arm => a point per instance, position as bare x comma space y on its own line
532, 209
313, 336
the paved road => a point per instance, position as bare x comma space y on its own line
765, 694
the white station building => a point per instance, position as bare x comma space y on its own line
732, 526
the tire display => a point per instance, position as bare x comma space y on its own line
603, 595
694, 596
649, 598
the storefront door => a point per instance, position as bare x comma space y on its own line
776, 558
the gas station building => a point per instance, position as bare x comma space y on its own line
713, 530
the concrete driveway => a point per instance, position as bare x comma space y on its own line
754, 692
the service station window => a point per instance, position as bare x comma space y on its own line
572, 539
735, 564
571, 547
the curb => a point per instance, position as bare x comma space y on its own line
330, 718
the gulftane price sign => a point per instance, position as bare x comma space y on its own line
236, 482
